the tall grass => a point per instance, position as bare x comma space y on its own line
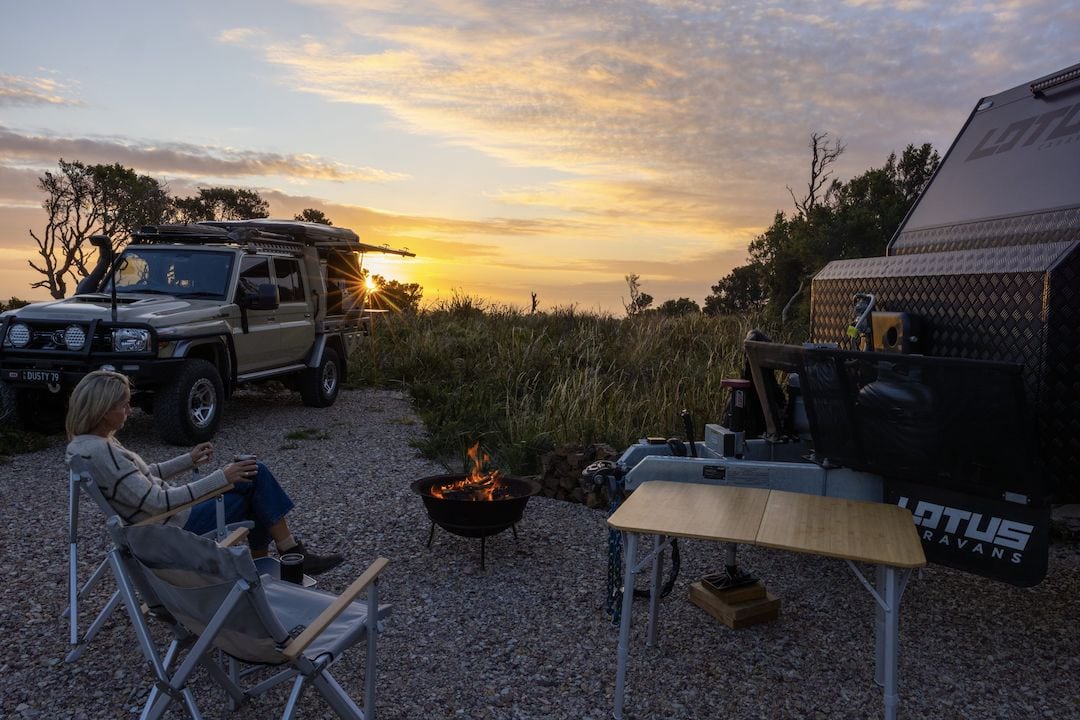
522, 383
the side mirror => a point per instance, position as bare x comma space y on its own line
266, 298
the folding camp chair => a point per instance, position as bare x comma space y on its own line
218, 595
82, 482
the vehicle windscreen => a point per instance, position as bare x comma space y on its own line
168, 271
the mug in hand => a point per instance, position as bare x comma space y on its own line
292, 568
243, 458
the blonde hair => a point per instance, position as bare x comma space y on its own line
96, 394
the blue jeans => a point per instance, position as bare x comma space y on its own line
262, 500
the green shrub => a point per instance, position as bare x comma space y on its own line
522, 383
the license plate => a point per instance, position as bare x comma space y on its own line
39, 376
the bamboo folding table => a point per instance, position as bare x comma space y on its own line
877, 533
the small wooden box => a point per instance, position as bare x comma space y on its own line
739, 607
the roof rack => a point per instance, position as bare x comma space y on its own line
251, 239
309, 233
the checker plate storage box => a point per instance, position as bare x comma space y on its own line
989, 259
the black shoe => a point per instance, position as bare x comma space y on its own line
315, 564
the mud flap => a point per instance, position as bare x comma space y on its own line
1001, 540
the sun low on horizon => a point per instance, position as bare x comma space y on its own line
516, 149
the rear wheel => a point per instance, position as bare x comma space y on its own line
319, 385
189, 407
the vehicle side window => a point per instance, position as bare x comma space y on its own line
290, 284
254, 271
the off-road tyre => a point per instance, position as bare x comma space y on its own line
40, 411
188, 409
9, 406
319, 386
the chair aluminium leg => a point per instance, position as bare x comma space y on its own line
337, 698
177, 684
73, 559
294, 697
95, 627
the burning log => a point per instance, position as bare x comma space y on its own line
477, 485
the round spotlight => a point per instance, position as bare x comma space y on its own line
19, 335
74, 337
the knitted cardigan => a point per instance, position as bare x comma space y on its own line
135, 489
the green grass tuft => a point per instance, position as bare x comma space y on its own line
307, 434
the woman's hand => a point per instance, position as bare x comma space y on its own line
202, 453
241, 471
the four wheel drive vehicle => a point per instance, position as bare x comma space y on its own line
189, 312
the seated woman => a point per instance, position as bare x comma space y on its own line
99, 407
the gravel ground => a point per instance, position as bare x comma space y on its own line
527, 637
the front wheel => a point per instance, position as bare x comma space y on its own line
189, 407
40, 410
319, 386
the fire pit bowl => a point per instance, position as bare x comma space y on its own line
459, 513
475, 518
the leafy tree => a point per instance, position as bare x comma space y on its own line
395, 296
219, 203
84, 200
846, 220
313, 215
682, 306
639, 301
13, 303
741, 291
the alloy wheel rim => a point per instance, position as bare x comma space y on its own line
329, 379
202, 401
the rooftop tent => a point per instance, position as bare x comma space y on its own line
989, 260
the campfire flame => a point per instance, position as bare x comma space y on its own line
477, 485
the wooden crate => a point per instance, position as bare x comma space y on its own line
761, 606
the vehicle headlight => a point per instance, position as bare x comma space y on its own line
18, 335
74, 337
130, 339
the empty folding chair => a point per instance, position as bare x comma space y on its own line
132, 587
218, 595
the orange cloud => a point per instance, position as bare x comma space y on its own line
183, 158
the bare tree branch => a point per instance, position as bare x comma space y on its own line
823, 156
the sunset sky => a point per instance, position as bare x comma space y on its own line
516, 147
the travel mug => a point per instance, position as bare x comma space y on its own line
292, 568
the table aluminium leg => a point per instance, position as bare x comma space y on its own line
659, 543
879, 630
629, 551
891, 584
632, 566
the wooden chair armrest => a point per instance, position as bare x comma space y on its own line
179, 508
234, 537
327, 616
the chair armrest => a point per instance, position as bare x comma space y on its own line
327, 616
234, 537
180, 508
